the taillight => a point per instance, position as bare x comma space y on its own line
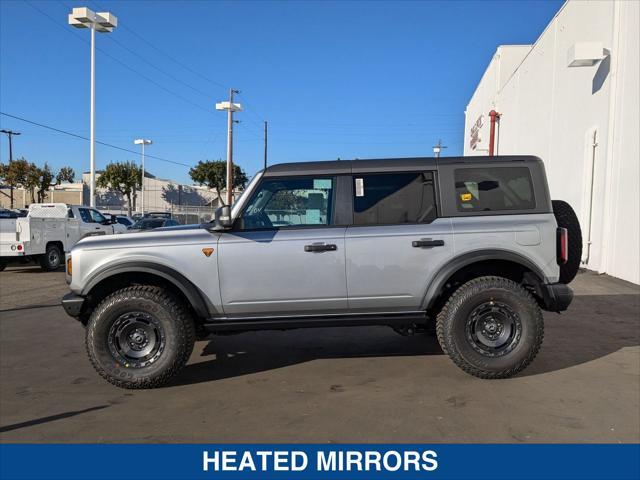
19, 247
562, 247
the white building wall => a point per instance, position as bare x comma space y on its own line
553, 111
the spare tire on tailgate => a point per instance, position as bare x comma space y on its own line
566, 218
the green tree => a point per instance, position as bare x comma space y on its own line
65, 174
213, 174
14, 175
123, 178
45, 180
32, 181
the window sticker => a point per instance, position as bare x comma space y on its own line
322, 184
359, 187
465, 197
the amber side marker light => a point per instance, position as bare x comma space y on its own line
207, 251
69, 266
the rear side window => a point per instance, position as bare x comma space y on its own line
494, 189
394, 198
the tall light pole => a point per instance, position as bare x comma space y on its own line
103, 22
230, 107
143, 142
265, 143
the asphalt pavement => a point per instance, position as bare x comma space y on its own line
359, 384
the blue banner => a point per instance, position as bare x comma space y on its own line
335, 462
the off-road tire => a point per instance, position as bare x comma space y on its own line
452, 327
52, 258
567, 218
173, 318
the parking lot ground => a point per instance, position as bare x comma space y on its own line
323, 385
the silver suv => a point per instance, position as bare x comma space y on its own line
472, 248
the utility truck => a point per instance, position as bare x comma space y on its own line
48, 231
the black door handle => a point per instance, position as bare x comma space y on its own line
427, 242
320, 247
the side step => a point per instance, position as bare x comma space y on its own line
286, 323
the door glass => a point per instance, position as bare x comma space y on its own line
97, 217
394, 198
290, 202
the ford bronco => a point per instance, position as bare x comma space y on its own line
472, 248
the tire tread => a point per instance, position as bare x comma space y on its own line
445, 337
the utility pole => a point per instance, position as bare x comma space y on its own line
438, 148
10, 134
230, 107
265, 144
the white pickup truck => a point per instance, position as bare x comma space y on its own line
48, 231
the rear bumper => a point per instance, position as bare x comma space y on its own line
556, 296
73, 304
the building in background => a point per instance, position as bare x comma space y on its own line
572, 99
187, 203
69, 193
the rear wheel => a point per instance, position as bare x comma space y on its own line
52, 258
140, 337
567, 218
491, 327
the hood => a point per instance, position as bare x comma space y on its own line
181, 235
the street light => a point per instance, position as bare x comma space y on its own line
143, 142
103, 22
230, 107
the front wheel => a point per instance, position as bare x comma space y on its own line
491, 327
139, 337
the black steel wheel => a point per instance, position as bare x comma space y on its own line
140, 337
136, 339
491, 327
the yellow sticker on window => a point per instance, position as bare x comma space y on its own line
465, 197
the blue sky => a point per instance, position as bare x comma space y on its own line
334, 79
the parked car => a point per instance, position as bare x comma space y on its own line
122, 220
151, 223
471, 247
49, 230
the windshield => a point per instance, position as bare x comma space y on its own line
147, 224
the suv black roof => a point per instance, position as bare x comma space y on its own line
385, 164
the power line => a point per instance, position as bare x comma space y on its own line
170, 57
71, 134
150, 80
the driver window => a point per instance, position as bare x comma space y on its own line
290, 202
97, 217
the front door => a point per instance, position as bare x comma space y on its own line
396, 243
285, 255
93, 223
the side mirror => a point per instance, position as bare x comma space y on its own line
114, 219
223, 218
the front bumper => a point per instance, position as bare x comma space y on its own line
73, 304
556, 296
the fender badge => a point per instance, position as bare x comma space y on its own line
207, 251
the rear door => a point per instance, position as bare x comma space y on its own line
396, 242
286, 253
